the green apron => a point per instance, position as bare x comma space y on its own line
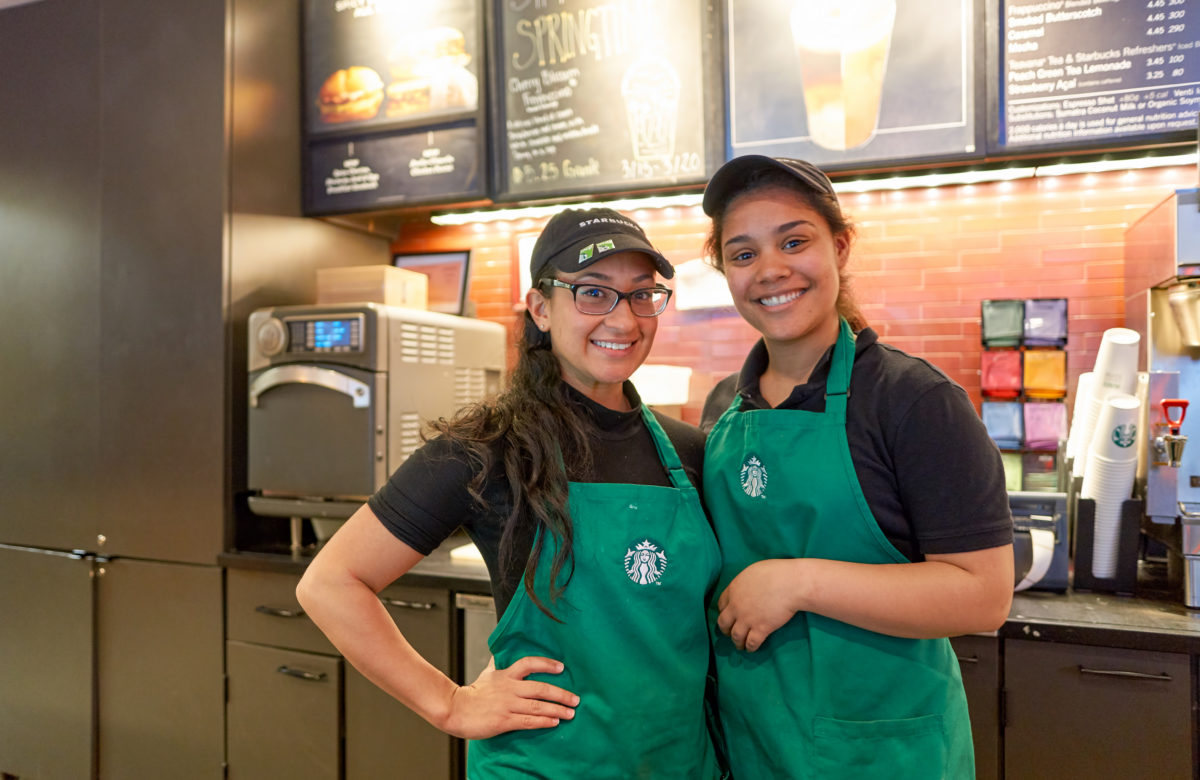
633, 638
820, 698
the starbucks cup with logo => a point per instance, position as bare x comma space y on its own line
1109, 474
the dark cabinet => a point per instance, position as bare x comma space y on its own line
1096, 712
296, 709
979, 661
282, 713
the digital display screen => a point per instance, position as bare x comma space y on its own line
331, 334
325, 334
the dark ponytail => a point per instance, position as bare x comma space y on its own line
531, 431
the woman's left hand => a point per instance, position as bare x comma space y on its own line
759, 600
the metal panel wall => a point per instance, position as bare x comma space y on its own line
49, 271
163, 248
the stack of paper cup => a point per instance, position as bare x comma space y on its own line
1108, 476
1083, 390
1115, 372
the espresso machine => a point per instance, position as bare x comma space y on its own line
1162, 286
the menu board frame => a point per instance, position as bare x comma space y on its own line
711, 116
974, 87
996, 119
468, 127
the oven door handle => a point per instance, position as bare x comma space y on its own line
358, 391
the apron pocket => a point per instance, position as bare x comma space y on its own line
908, 748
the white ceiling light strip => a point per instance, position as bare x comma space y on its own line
957, 178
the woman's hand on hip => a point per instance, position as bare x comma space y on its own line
503, 700
760, 599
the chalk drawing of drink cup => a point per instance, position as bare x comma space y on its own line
650, 89
842, 47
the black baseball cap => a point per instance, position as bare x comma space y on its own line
575, 238
731, 177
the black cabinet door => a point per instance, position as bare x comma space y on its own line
283, 714
979, 660
385, 739
1096, 712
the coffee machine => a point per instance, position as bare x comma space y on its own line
1162, 287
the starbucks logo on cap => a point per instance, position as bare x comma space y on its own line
1123, 435
754, 477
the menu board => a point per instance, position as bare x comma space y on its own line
396, 169
599, 95
1087, 72
847, 82
382, 62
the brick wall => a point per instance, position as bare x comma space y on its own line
924, 260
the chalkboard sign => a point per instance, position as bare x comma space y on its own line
844, 83
1091, 73
596, 95
396, 169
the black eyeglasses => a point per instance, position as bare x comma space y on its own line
598, 299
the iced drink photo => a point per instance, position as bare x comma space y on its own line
842, 48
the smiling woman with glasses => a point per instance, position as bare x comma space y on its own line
598, 299
585, 507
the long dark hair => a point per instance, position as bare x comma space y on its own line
824, 203
531, 431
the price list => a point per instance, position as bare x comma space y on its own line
1090, 70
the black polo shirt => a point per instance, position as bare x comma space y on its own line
930, 473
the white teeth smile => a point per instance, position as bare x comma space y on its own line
611, 345
777, 300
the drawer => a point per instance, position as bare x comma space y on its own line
283, 713
261, 607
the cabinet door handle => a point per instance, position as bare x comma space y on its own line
301, 674
409, 604
1124, 673
965, 659
279, 612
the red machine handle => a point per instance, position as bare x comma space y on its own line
1170, 405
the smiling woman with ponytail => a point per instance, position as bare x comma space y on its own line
585, 506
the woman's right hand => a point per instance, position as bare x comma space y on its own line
503, 700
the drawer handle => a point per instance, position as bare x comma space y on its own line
301, 674
279, 612
1126, 674
409, 604
965, 659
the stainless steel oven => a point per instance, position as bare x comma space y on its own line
338, 394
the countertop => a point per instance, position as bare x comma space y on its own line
1152, 620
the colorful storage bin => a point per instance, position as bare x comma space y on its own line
1045, 373
1000, 373
1004, 423
1045, 322
1003, 323
1045, 424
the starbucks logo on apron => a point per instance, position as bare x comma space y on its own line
645, 563
754, 477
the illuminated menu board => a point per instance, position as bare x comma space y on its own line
1089, 72
394, 97
843, 83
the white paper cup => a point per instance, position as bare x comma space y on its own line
1083, 390
1108, 482
1116, 363
1115, 435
